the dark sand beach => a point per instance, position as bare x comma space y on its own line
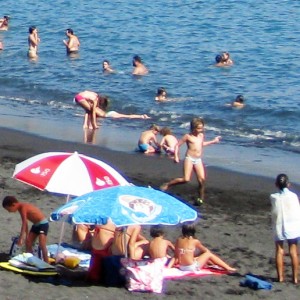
234, 223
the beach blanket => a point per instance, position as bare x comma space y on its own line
28, 260
69, 251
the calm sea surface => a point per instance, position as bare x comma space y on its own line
178, 41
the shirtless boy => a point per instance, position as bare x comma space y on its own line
33, 41
148, 142
29, 212
4, 23
159, 247
72, 45
193, 157
169, 141
139, 67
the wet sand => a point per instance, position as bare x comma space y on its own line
235, 224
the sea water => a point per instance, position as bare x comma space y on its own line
178, 42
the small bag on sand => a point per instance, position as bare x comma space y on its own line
15, 249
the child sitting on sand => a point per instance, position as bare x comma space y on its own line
186, 248
158, 246
169, 141
29, 212
193, 157
286, 225
148, 142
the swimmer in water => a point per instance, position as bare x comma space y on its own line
139, 67
33, 41
4, 23
72, 44
239, 102
161, 95
223, 60
106, 68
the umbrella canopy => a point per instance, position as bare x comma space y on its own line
125, 205
67, 173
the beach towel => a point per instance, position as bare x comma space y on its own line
255, 283
144, 275
30, 260
175, 273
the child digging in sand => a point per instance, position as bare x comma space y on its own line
158, 246
286, 225
148, 142
29, 212
169, 141
186, 248
193, 157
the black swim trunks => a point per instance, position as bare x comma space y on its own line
40, 228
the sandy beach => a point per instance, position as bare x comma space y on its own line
235, 224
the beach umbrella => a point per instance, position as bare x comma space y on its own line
125, 205
65, 173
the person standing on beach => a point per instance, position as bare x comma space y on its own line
33, 41
72, 45
138, 66
40, 227
193, 157
286, 225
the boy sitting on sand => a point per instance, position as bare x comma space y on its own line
39, 228
186, 248
158, 247
148, 142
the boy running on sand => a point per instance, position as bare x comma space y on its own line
193, 157
39, 228
158, 247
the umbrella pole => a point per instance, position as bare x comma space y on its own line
124, 240
62, 230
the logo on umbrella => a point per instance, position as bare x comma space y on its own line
139, 209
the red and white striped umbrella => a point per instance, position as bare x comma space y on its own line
67, 173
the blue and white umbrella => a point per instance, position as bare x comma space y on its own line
125, 205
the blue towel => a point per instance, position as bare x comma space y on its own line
255, 283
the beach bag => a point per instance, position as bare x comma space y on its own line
15, 249
144, 275
112, 275
255, 283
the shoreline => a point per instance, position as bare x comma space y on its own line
112, 137
234, 223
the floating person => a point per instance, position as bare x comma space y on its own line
106, 67
95, 106
138, 66
195, 142
169, 141
286, 225
239, 102
148, 142
72, 44
186, 248
4, 23
161, 94
33, 42
33, 214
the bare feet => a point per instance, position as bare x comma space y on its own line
164, 187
